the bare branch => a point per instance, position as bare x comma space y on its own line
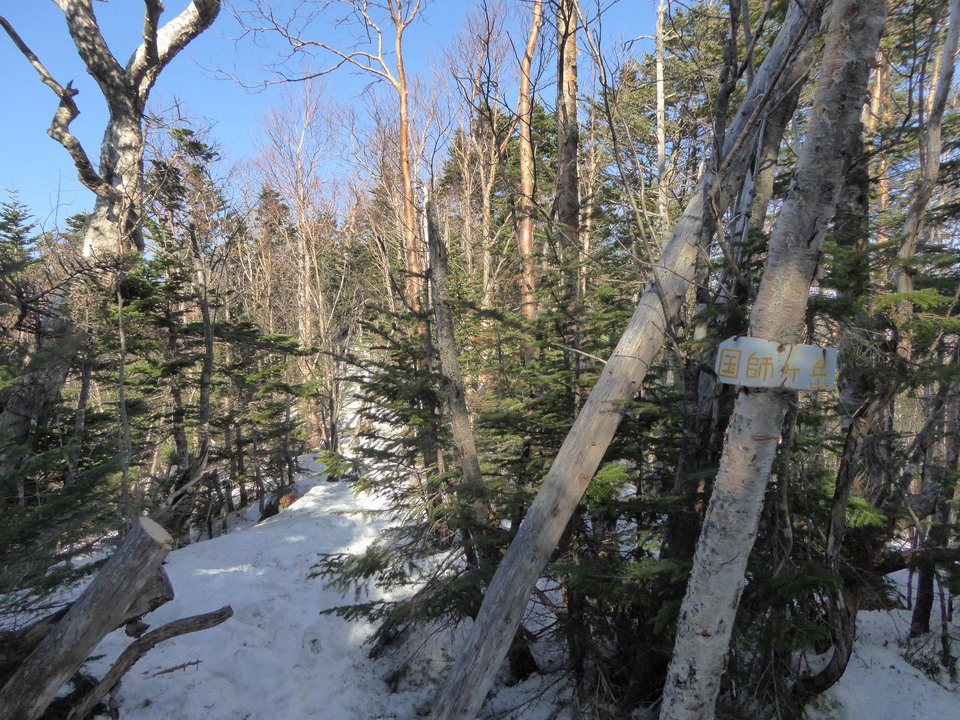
150, 58
59, 128
151, 21
92, 48
140, 647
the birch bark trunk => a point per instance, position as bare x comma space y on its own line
787, 63
115, 224
713, 594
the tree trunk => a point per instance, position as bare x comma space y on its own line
709, 408
662, 212
842, 603
114, 597
460, 424
527, 169
568, 139
115, 224
713, 594
920, 620
470, 678
411, 242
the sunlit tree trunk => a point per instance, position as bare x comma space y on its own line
662, 211
115, 224
716, 583
568, 133
525, 223
411, 239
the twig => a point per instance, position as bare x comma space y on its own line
578, 352
138, 648
181, 666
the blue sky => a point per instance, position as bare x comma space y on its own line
40, 171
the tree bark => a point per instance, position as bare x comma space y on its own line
662, 211
708, 410
115, 224
568, 138
411, 238
713, 594
527, 169
105, 605
460, 424
470, 678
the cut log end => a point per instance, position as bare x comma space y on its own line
156, 531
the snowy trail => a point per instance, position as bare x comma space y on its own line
277, 656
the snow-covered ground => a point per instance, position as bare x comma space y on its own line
880, 684
278, 657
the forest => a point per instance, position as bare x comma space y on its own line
501, 299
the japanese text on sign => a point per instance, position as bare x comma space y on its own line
761, 363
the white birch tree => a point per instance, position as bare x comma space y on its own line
729, 529
117, 180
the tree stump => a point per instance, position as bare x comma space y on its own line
114, 597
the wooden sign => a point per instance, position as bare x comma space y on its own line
754, 362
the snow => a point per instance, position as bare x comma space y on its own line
278, 656
880, 683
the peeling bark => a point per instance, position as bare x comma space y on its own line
115, 225
716, 583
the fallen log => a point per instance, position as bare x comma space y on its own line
131, 583
15, 645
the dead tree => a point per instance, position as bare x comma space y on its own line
131, 584
470, 678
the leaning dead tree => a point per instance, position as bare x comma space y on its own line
782, 72
131, 584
